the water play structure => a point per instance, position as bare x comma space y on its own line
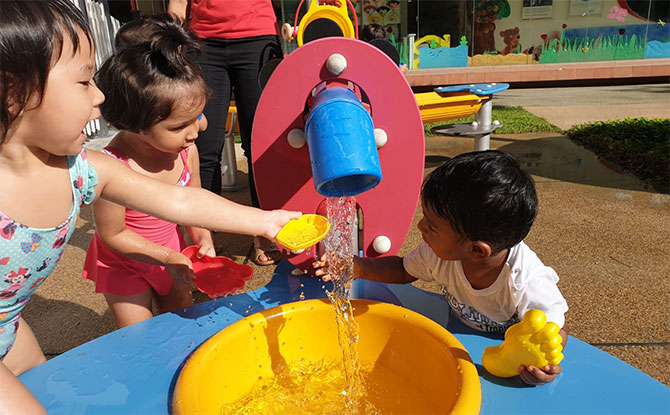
135, 369
338, 128
326, 125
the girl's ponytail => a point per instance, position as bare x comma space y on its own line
150, 70
167, 44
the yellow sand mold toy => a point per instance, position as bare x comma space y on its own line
303, 232
533, 341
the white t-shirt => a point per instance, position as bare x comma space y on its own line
524, 284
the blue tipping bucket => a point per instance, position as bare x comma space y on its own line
341, 141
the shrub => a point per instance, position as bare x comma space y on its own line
636, 145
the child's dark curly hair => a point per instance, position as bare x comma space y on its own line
371, 32
485, 196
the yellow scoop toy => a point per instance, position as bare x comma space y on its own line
533, 341
303, 232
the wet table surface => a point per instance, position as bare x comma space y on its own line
134, 370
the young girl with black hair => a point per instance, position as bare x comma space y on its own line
155, 96
47, 95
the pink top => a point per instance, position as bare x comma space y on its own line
117, 274
233, 19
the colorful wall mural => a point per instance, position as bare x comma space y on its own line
504, 32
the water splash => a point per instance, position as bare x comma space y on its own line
340, 249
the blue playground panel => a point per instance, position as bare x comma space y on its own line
134, 370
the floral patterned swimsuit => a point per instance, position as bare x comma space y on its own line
28, 255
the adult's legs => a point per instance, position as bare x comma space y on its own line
244, 64
244, 58
213, 64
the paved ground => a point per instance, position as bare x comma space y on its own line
565, 107
606, 234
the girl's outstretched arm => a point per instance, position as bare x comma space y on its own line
188, 206
201, 237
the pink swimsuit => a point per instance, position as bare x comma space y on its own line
117, 274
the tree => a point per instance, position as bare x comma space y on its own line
486, 12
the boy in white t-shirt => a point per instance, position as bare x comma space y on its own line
477, 208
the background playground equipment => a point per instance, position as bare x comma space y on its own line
533, 341
431, 42
332, 17
443, 56
439, 379
432, 51
335, 72
461, 101
303, 232
217, 276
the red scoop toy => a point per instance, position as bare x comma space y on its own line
219, 275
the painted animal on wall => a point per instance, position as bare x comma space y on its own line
511, 39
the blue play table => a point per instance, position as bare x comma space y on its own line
134, 370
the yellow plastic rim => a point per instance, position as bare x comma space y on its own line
429, 358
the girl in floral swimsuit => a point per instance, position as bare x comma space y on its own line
48, 96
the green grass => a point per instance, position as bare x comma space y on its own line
515, 120
639, 146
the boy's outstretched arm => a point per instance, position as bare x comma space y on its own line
385, 269
532, 375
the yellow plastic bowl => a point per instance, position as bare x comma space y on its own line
392, 340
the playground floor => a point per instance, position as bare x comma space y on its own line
604, 232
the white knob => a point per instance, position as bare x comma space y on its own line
287, 32
474, 124
381, 244
380, 137
296, 138
336, 64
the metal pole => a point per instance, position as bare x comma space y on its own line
229, 160
483, 118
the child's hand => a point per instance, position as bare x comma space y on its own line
206, 248
321, 268
276, 219
179, 267
532, 375
331, 271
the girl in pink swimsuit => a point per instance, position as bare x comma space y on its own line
155, 96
